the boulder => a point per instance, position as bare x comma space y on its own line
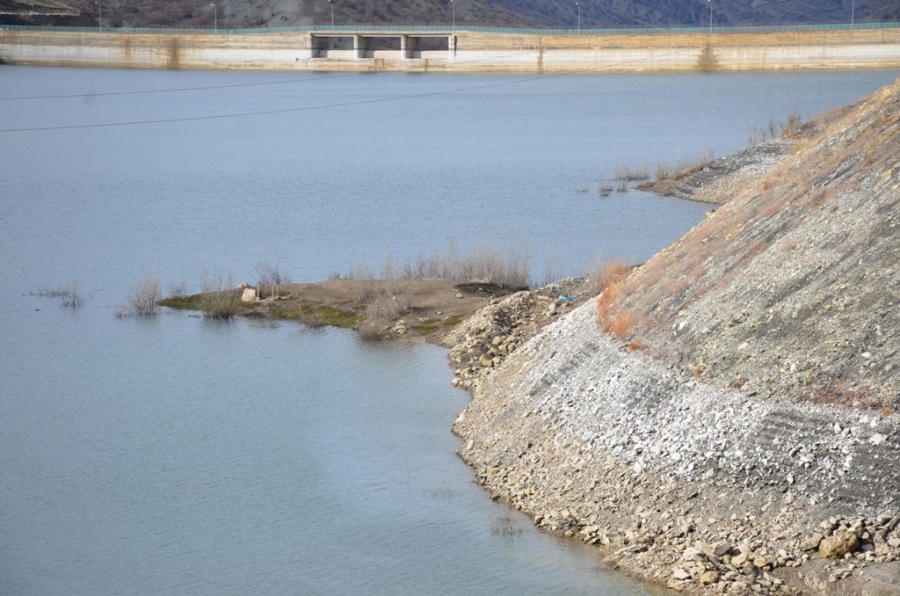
812, 542
681, 575
249, 295
835, 547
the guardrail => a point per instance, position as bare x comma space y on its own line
459, 29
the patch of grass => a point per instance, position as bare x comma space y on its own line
453, 320
336, 317
427, 326
183, 302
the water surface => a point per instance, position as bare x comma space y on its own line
175, 455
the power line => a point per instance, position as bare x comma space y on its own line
175, 90
268, 112
306, 108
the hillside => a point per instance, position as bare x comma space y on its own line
791, 288
735, 431
507, 13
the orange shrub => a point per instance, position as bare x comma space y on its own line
620, 325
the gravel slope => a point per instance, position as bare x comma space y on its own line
750, 444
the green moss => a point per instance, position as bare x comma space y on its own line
424, 329
191, 302
453, 321
339, 318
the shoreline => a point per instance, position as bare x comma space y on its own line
666, 493
677, 475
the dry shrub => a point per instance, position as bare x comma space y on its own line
72, 297
619, 325
507, 264
611, 279
269, 277
636, 345
219, 299
606, 301
144, 296
604, 275
626, 173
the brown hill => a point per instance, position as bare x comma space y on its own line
791, 288
589, 14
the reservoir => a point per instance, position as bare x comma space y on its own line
176, 455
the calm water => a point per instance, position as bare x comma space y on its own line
180, 456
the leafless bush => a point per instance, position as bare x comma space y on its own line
441, 490
662, 170
219, 299
144, 295
761, 134
553, 271
270, 276
601, 274
178, 290
506, 526
488, 263
626, 173
491, 264
70, 296
386, 307
684, 163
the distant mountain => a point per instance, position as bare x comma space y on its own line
563, 14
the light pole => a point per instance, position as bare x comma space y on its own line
215, 17
453, 9
852, 13
578, 5
100, 20
331, 2
710, 16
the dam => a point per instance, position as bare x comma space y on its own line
471, 49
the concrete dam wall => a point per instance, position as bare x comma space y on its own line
430, 49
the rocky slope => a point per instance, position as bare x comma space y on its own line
790, 289
749, 444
